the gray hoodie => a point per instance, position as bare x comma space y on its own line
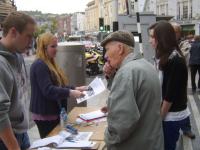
12, 98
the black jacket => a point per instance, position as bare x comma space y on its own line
46, 96
195, 54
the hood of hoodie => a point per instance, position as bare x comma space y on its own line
17, 114
12, 58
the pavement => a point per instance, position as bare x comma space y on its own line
184, 143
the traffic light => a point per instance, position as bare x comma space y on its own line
108, 28
101, 24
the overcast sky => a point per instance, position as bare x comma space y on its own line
52, 6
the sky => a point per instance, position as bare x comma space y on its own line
52, 6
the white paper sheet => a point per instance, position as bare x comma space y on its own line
55, 140
95, 87
92, 115
77, 144
59, 141
83, 136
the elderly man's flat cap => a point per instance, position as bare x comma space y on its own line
120, 36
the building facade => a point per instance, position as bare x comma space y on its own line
180, 9
92, 16
64, 24
104, 9
77, 23
6, 6
101, 9
185, 12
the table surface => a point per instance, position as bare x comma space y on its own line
97, 128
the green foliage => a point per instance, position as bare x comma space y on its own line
54, 25
40, 30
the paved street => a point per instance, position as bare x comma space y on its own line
184, 142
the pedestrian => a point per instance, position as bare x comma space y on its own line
185, 47
174, 76
133, 105
18, 29
49, 90
184, 44
194, 62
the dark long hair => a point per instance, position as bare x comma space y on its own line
166, 38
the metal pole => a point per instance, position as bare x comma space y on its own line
136, 8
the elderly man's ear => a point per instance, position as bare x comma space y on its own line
121, 49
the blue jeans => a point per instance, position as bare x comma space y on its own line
23, 141
171, 132
187, 127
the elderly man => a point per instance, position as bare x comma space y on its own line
134, 120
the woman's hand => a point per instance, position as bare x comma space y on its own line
104, 109
76, 93
81, 88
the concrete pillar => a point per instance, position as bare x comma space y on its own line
159, 9
181, 10
115, 14
101, 10
189, 9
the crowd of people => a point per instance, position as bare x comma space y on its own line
146, 106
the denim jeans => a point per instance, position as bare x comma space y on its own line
171, 132
23, 141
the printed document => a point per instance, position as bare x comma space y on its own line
51, 141
92, 115
94, 88
65, 140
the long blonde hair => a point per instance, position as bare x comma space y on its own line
42, 43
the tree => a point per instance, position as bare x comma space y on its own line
53, 26
40, 30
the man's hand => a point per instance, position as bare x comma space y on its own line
8, 138
104, 109
108, 70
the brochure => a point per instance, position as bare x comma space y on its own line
52, 141
65, 140
92, 115
94, 88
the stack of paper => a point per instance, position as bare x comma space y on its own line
65, 140
92, 115
94, 88
51, 141
77, 144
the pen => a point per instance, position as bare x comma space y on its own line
72, 141
71, 129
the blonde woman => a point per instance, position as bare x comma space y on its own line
49, 90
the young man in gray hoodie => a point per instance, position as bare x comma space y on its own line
18, 30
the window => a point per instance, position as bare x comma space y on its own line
185, 10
